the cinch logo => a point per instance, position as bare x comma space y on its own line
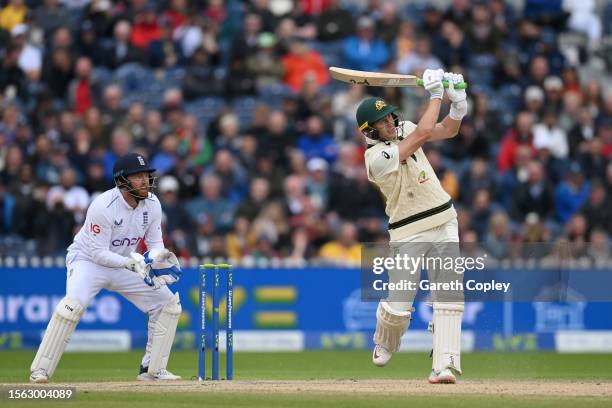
126, 241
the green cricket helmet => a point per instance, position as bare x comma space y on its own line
372, 110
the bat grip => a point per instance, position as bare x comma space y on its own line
460, 85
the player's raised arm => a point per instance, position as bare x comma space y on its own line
425, 128
449, 126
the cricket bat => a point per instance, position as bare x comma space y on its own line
352, 76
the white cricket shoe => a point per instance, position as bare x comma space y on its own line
161, 375
381, 356
39, 376
445, 376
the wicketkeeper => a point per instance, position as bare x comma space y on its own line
420, 212
103, 256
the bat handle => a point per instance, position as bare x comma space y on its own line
460, 85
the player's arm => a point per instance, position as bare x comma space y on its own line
423, 132
97, 239
432, 82
445, 129
449, 126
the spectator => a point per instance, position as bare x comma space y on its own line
302, 62
50, 16
30, 58
12, 14
498, 236
581, 133
177, 217
259, 193
388, 24
334, 23
12, 165
112, 111
241, 240
535, 195
120, 50
58, 72
571, 193
420, 60
597, 210
226, 168
520, 135
82, 89
163, 162
200, 80
73, 197
7, 213
345, 248
547, 135
534, 100
121, 144
481, 213
316, 143
146, 29
363, 51
317, 183
212, 204
263, 64
476, 178
12, 78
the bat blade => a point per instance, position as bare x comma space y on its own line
367, 78
352, 76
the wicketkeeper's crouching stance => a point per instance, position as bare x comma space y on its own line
420, 212
102, 256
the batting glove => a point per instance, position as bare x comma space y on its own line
458, 97
432, 81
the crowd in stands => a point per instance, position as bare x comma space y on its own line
256, 148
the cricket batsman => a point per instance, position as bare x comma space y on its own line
103, 255
419, 211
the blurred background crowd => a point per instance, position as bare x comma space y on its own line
256, 148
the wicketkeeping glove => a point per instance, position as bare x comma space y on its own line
163, 268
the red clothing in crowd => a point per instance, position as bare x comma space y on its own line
144, 33
314, 7
176, 18
298, 67
82, 97
510, 143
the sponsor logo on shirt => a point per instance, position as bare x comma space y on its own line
94, 228
119, 242
423, 177
145, 218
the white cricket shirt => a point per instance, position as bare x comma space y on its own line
113, 229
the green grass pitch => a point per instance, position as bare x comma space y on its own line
324, 366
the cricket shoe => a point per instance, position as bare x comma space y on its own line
445, 376
39, 376
161, 375
381, 356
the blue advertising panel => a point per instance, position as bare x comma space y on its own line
324, 304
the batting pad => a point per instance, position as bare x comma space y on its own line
163, 334
66, 316
447, 335
390, 326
